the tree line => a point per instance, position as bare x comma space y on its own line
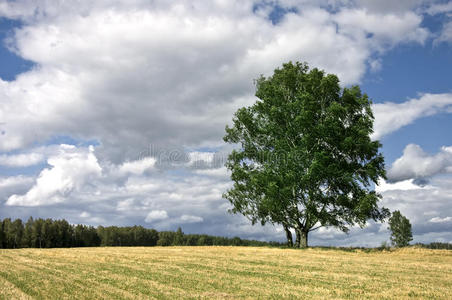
49, 233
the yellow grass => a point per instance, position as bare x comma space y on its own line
223, 272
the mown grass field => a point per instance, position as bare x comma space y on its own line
223, 272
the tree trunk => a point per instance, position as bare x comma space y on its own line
288, 236
297, 239
302, 238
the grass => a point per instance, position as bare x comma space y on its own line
223, 272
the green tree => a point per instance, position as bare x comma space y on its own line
2, 235
166, 238
8, 233
37, 233
49, 234
65, 233
400, 228
18, 233
179, 237
27, 240
306, 158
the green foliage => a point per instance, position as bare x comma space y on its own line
12, 233
400, 228
127, 236
166, 238
27, 241
306, 158
179, 237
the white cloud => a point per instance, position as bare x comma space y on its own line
441, 220
186, 68
30, 157
21, 160
137, 167
416, 163
14, 184
439, 8
12, 181
72, 169
214, 172
390, 116
404, 185
375, 65
156, 215
191, 219
126, 204
446, 34
85, 215
386, 30
200, 159
384, 6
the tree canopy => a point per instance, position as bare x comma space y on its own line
306, 159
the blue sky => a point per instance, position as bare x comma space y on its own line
12, 64
407, 71
114, 80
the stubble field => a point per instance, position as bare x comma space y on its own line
223, 272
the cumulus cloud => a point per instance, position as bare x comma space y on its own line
386, 29
186, 67
191, 219
29, 157
441, 220
70, 170
156, 215
126, 204
21, 160
12, 181
390, 116
405, 185
14, 184
416, 163
200, 159
137, 167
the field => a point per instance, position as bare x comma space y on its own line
223, 272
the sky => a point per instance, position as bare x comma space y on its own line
113, 112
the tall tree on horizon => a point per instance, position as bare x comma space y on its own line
306, 159
400, 228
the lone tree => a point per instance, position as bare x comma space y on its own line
306, 158
400, 227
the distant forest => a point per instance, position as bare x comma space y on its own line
48, 233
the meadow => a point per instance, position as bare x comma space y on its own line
223, 272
